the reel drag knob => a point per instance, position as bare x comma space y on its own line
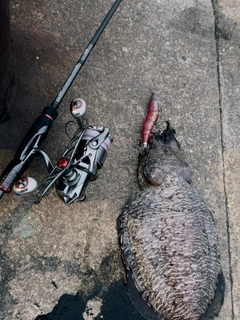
78, 110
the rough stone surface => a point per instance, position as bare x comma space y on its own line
49, 251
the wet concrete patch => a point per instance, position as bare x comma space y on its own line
68, 307
100, 297
115, 304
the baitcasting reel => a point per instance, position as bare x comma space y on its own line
79, 164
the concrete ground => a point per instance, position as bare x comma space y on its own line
61, 262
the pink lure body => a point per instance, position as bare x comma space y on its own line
151, 118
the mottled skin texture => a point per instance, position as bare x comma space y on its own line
168, 238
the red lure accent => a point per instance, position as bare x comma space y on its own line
151, 118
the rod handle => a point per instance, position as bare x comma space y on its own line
27, 149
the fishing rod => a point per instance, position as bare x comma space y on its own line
82, 158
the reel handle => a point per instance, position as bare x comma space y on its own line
78, 110
26, 187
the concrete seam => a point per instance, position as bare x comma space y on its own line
216, 28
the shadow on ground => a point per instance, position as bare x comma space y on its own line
72, 307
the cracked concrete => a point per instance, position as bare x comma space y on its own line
63, 261
218, 36
228, 46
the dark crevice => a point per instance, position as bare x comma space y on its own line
218, 34
9, 90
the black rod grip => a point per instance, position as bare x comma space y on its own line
38, 130
26, 150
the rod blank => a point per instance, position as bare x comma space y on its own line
85, 55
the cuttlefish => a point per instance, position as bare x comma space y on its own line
167, 235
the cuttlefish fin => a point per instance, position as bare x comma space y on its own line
141, 305
217, 302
